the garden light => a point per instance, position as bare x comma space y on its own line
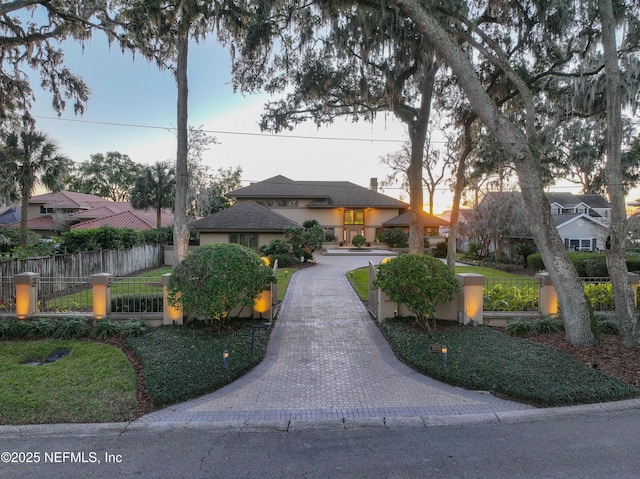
225, 358
444, 355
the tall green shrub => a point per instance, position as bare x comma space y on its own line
394, 237
214, 279
419, 281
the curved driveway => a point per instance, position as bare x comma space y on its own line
327, 361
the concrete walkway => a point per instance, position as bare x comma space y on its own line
327, 363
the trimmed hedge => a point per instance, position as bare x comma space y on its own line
588, 265
108, 237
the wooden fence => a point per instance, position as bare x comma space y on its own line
84, 264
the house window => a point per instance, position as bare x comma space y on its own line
580, 244
250, 240
353, 217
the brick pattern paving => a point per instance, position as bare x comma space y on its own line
327, 360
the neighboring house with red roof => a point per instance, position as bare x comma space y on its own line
342, 208
53, 213
139, 220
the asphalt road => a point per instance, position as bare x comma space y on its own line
597, 445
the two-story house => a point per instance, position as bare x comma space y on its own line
342, 208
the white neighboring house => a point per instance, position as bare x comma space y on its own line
582, 220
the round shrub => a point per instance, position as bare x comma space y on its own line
394, 237
214, 279
358, 241
419, 281
276, 247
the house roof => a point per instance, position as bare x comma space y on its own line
569, 200
405, 219
566, 218
139, 220
106, 209
45, 222
9, 215
324, 194
68, 199
247, 216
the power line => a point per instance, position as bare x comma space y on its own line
223, 132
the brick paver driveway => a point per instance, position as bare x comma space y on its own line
327, 361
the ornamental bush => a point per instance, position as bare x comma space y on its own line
358, 241
214, 279
394, 237
419, 281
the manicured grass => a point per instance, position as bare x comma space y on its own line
94, 383
359, 279
480, 358
488, 272
184, 362
284, 277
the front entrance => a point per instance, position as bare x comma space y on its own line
352, 233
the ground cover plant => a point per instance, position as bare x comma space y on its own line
93, 383
184, 362
481, 358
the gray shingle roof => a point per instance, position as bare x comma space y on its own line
324, 194
246, 216
405, 218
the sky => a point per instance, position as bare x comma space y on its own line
128, 91
132, 110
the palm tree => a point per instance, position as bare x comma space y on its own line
155, 188
29, 158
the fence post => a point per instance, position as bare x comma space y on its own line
170, 314
26, 294
634, 279
548, 298
470, 299
101, 286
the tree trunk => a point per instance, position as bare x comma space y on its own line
452, 247
180, 229
615, 254
418, 136
24, 218
575, 312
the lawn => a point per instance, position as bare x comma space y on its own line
94, 383
359, 278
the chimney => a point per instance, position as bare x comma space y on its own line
373, 184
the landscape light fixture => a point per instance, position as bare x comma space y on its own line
444, 355
225, 358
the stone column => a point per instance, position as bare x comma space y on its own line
26, 294
170, 314
101, 285
548, 297
471, 298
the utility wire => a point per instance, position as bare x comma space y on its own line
223, 132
